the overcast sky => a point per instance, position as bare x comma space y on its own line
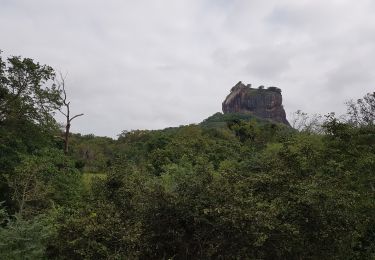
153, 64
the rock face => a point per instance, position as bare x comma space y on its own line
261, 102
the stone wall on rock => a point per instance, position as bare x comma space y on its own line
261, 102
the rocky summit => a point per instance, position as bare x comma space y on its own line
262, 102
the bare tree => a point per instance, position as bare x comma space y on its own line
65, 110
362, 112
304, 122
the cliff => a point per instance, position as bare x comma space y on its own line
261, 102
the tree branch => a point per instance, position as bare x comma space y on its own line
75, 117
62, 112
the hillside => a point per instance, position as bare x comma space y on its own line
239, 185
234, 186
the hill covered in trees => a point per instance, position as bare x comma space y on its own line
234, 186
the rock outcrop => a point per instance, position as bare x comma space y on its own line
261, 102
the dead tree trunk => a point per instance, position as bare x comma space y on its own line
66, 113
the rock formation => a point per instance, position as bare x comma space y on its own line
261, 102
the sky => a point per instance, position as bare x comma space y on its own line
155, 64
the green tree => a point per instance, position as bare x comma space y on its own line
27, 104
24, 94
44, 180
26, 239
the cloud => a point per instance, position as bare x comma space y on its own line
151, 64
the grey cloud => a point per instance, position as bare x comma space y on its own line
269, 64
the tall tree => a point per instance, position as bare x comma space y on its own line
28, 100
24, 92
65, 110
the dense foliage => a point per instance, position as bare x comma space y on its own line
35, 176
233, 187
249, 190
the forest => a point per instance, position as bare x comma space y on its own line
231, 187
